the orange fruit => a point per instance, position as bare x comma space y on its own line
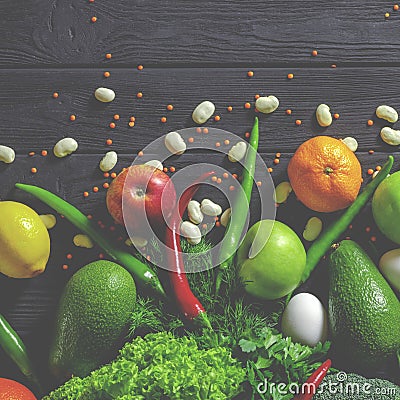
325, 174
12, 390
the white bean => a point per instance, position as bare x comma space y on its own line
387, 113
7, 154
323, 114
104, 95
191, 232
136, 241
194, 212
175, 143
49, 220
155, 163
210, 208
267, 104
225, 217
237, 152
351, 143
109, 161
282, 192
390, 136
203, 112
83, 241
64, 147
312, 229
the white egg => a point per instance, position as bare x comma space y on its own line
389, 264
305, 320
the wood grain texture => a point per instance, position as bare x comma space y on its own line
55, 32
33, 120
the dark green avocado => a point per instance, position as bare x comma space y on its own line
93, 312
364, 312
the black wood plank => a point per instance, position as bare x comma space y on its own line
33, 120
48, 32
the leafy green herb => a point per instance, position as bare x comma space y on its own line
160, 366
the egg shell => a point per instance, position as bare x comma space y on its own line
305, 320
389, 264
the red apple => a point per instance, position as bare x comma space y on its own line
139, 194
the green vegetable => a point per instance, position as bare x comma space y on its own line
332, 233
356, 387
93, 313
240, 209
276, 359
364, 312
142, 273
160, 366
14, 347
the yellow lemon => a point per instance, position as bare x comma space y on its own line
24, 241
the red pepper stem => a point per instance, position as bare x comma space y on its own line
190, 306
314, 380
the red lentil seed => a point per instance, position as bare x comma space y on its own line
132, 119
314, 53
205, 130
333, 66
250, 74
112, 125
116, 117
93, 19
378, 168
277, 155
270, 169
217, 118
371, 151
234, 176
101, 256
55, 95
350, 226
368, 229
131, 124
109, 142
218, 144
106, 174
85, 194
198, 130
139, 95
44, 153
31, 153
163, 120
204, 226
106, 74
170, 107
140, 154
172, 169
33, 170
370, 171
298, 122
247, 105
218, 224
259, 183
336, 116
165, 169
219, 180
65, 267
229, 108
140, 67
191, 140
225, 175
106, 185
396, 7
370, 122
214, 178
290, 76
69, 256
108, 56
247, 135
276, 161
226, 142
373, 239
72, 117
288, 111
387, 15
95, 189
256, 96
231, 188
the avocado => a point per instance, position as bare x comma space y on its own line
93, 313
364, 312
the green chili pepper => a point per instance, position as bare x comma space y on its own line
143, 274
14, 347
240, 208
328, 237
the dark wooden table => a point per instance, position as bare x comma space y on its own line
191, 51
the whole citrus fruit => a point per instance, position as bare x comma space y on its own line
386, 207
24, 241
11, 390
325, 174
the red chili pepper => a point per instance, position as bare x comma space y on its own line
314, 381
187, 301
